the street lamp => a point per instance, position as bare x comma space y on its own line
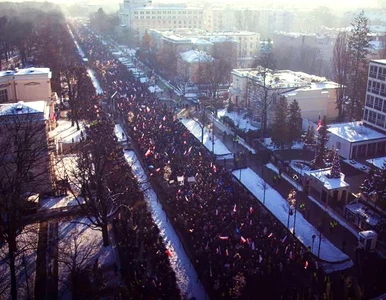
292, 204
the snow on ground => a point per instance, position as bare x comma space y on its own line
279, 207
155, 89
119, 133
58, 202
357, 165
379, 162
195, 128
65, 166
268, 144
322, 175
185, 272
241, 121
226, 129
65, 133
27, 241
295, 184
95, 82
90, 248
340, 220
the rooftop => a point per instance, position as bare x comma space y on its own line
20, 108
355, 132
28, 71
329, 183
378, 162
379, 61
193, 56
285, 79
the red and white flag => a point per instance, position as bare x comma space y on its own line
224, 238
306, 265
148, 153
243, 240
234, 208
251, 210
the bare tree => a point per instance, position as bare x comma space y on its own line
341, 69
103, 182
24, 170
75, 254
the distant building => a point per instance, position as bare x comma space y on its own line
192, 64
316, 95
140, 15
241, 46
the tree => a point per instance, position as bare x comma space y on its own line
24, 170
374, 186
335, 170
75, 254
321, 151
309, 137
358, 44
103, 182
341, 61
294, 123
267, 64
280, 125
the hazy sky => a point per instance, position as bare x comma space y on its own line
329, 3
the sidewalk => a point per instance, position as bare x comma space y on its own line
314, 213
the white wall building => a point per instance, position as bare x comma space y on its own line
140, 15
316, 95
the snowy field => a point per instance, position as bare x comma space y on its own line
240, 120
26, 241
180, 263
195, 128
65, 133
279, 207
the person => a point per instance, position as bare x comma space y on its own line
274, 180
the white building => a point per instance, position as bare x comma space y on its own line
140, 15
354, 140
316, 95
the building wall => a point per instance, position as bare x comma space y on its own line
342, 145
375, 105
25, 88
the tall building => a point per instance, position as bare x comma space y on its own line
375, 105
140, 15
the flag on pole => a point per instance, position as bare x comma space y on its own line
251, 210
168, 252
243, 240
148, 153
306, 265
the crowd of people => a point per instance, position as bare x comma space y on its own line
239, 249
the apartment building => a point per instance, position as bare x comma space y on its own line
245, 44
140, 15
316, 95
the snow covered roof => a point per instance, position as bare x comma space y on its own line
23, 108
365, 212
355, 132
193, 56
329, 183
379, 61
378, 162
199, 41
28, 71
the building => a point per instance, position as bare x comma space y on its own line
354, 140
242, 46
23, 127
316, 95
30, 84
191, 65
140, 15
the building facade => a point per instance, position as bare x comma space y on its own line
140, 15
375, 105
25, 85
316, 95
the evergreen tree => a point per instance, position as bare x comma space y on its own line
309, 137
335, 170
321, 151
294, 123
280, 125
374, 186
358, 45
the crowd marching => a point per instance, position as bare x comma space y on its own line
239, 249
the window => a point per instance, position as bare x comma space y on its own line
373, 71
383, 90
372, 116
382, 73
378, 103
370, 101
366, 115
380, 120
3, 96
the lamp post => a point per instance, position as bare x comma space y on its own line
292, 204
